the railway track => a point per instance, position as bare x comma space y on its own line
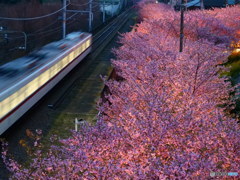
100, 40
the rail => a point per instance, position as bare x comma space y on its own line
98, 40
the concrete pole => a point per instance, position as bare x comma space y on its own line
64, 18
181, 26
171, 3
112, 8
201, 4
103, 11
90, 16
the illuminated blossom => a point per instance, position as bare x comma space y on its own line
164, 119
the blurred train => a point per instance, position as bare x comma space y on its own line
24, 81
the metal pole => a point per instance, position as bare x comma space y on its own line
25, 40
64, 18
90, 16
181, 27
104, 11
24, 34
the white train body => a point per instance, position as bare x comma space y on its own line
24, 81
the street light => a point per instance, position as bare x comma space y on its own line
236, 47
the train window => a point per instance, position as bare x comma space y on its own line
71, 57
15, 99
4, 108
76, 52
61, 63
80, 50
73, 54
65, 61
88, 42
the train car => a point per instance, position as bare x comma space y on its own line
24, 81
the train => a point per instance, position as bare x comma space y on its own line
24, 81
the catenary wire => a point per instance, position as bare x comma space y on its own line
42, 32
33, 18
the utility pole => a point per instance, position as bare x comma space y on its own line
64, 18
201, 4
103, 11
89, 12
171, 3
182, 8
90, 16
112, 8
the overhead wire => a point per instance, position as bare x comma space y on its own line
33, 34
42, 32
33, 18
74, 4
29, 42
39, 31
53, 31
45, 27
87, 3
48, 32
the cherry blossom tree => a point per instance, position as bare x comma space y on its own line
163, 120
220, 26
